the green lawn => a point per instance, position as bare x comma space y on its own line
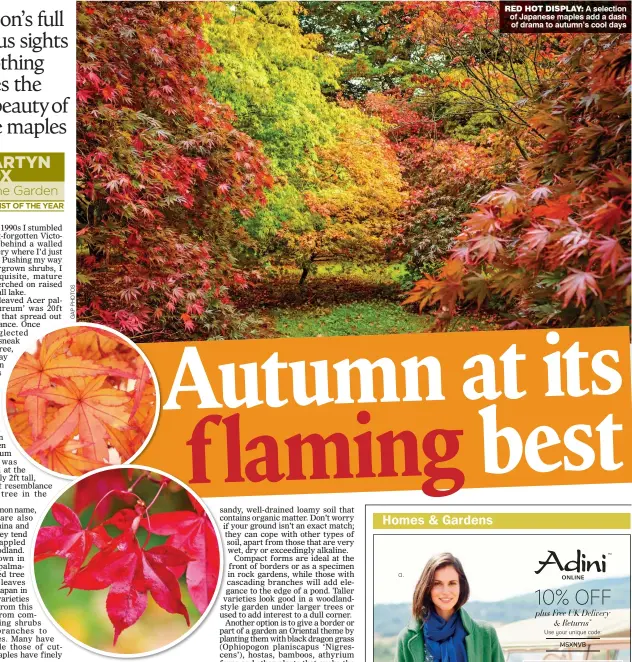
361, 319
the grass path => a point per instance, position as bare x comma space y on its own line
361, 319
342, 300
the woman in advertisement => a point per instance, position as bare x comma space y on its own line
441, 630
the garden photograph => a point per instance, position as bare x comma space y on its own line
305, 169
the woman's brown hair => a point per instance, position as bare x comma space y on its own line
422, 603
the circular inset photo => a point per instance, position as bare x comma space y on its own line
137, 557
82, 398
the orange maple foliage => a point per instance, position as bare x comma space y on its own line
83, 400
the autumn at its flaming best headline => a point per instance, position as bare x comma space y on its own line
391, 453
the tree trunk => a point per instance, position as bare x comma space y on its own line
306, 269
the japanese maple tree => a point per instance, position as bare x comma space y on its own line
162, 173
338, 189
445, 176
487, 72
122, 548
557, 242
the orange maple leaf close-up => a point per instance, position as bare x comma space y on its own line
83, 399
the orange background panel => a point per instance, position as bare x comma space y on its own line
168, 449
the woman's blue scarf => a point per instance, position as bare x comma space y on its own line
445, 640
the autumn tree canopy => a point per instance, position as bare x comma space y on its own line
338, 189
160, 168
556, 242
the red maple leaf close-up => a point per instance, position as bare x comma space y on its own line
131, 572
69, 540
193, 533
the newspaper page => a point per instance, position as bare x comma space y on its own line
314, 332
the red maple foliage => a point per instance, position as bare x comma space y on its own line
557, 243
128, 569
69, 540
193, 533
444, 175
161, 170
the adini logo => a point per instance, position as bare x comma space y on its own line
577, 564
